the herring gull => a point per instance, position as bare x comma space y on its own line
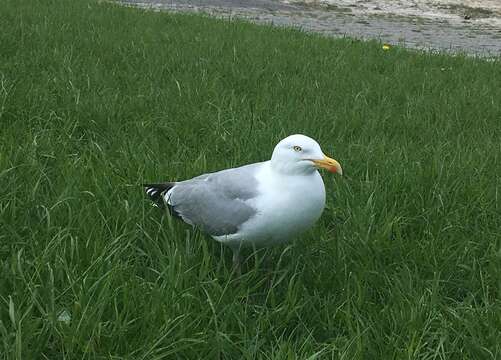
255, 205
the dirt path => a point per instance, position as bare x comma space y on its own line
447, 30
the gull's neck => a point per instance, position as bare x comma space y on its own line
285, 168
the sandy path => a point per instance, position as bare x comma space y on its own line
479, 12
443, 27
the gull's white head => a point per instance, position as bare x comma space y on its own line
300, 154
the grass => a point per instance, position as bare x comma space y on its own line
96, 98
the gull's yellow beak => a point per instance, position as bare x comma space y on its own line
330, 164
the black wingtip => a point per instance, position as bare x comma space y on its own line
156, 193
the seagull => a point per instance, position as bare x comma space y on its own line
255, 205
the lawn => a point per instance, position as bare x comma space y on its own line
96, 99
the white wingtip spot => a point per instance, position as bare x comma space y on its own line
151, 192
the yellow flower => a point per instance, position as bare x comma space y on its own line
386, 46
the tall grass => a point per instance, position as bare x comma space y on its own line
96, 98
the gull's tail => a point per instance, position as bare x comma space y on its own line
156, 192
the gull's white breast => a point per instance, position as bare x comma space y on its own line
287, 205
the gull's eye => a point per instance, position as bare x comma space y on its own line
297, 148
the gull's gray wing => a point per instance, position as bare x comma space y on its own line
216, 202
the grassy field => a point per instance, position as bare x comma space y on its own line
405, 262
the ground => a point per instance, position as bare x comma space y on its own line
449, 25
97, 98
